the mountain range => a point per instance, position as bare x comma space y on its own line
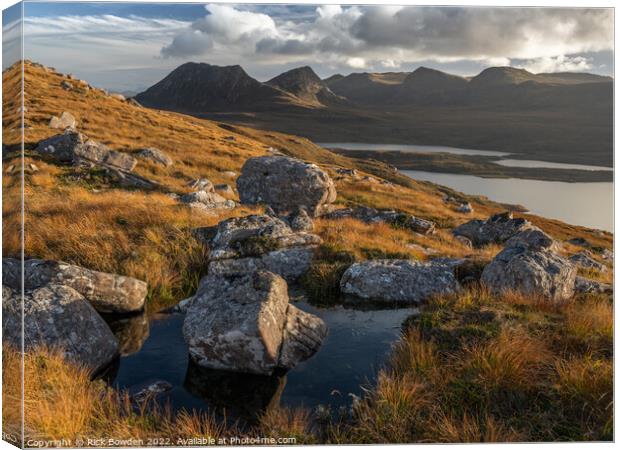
502, 108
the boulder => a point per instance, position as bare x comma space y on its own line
201, 184
260, 242
244, 323
530, 271
584, 259
107, 293
66, 120
496, 229
398, 281
465, 208
579, 241
224, 189
372, 215
586, 286
57, 316
207, 200
532, 239
465, 241
155, 155
76, 148
299, 220
285, 184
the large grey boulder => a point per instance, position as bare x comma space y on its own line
57, 316
260, 242
530, 271
285, 184
155, 155
244, 323
398, 281
496, 229
107, 293
76, 148
372, 215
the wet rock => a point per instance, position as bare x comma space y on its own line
496, 229
587, 286
153, 389
257, 242
201, 184
155, 155
66, 120
584, 259
285, 184
530, 271
131, 332
371, 215
207, 200
243, 322
398, 281
108, 293
57, 316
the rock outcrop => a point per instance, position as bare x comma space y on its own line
398, 281
155, 155
244, 323
207, 200
529, 265
76, 148
586, 286
66, 120
496, 229
57, 316
260, 242
106, 292
584, 259
285, 184
371, 215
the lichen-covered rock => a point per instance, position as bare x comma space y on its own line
66, 120
107, 293
260, 242
57, 316
586, 286
585, 260
289, 263
299, 220
207, 200
530, 271
76, 148
398, 281
285, 184
496, 229
372, 215
243, 322
532, 239
155, 155
201, 184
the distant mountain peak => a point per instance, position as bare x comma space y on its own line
305, 84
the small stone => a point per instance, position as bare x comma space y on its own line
201, 184
66, 120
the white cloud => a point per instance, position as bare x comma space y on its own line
558, 64
356, 63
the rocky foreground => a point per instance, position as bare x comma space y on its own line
240, 318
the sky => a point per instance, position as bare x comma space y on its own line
130, 46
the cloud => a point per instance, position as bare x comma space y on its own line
390, 36
559, 63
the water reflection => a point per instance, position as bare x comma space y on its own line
237, 395
131, 332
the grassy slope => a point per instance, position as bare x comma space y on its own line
74, 216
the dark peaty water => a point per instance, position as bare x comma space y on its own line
356, 347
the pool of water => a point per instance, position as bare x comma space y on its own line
586, 204
410, 148
550, 165
357, 345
